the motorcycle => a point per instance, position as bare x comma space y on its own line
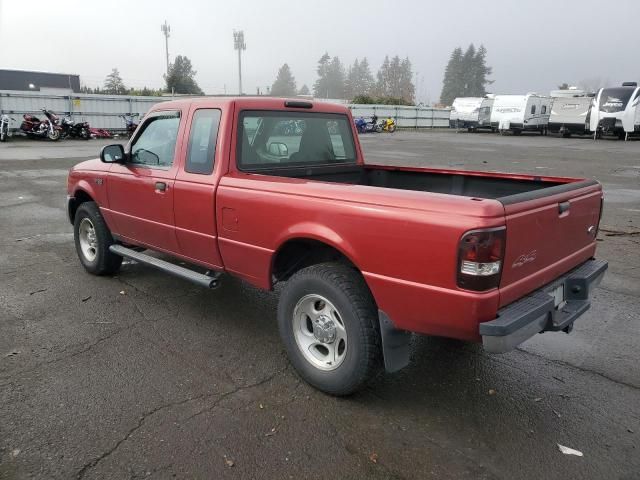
75, 130
100, 133
49, 128
368, 127
388, 125
129, 123
4, 127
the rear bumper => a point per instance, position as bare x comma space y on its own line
537, 312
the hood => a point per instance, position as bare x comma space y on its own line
93, 164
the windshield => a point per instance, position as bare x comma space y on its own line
282, 139
615, 99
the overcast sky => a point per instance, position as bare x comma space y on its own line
532, 45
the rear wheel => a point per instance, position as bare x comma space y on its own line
328, 323
93, 239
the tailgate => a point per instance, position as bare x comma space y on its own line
548, 235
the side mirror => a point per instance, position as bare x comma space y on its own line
278, 149
112, 153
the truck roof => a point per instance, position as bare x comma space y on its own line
257, 103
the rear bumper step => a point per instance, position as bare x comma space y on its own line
207, 281
537, 312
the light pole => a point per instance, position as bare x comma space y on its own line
166, 31
239, 45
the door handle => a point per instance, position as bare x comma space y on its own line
161, 186
563, 207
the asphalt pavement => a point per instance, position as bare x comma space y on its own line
143, 375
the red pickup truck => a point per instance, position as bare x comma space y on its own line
274, 190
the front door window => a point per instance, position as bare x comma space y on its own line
155, 145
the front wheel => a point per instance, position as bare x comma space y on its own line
3, 135
54, 135
93, 239
392, 128
328, 323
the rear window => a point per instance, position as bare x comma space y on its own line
268, 139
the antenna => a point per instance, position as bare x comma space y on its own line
239, 45
166, 31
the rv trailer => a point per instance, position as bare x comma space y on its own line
471, 113
518, 113
570, 116
615, 111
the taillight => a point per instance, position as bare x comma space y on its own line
480, 256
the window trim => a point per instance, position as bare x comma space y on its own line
215, 141
289, 166
148, 118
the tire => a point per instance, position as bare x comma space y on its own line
3, 135
93, 239
378, 129
85, 134
392, 128
54, 136
348, 310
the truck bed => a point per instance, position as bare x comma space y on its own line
508, 188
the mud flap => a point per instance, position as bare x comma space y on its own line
395, 344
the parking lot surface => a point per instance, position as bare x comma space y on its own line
143, 375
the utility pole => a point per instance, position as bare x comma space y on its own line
239, 45
166, 31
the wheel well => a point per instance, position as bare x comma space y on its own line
79, 197
297, 254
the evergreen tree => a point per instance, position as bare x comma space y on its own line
331, 78
181, 77
480, 71
304, 90
452, 83
320, 87
359, 80
407, 89
466, 74
113, 84
285, 84
366, 80
383, 83
350, 80
395, 80
468, 71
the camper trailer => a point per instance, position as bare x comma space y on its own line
471, 113
570, 116
518, 113
615, 110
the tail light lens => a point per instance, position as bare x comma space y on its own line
480, 256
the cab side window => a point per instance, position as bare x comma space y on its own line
156, 144
544, 109
202, 141
533, 109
